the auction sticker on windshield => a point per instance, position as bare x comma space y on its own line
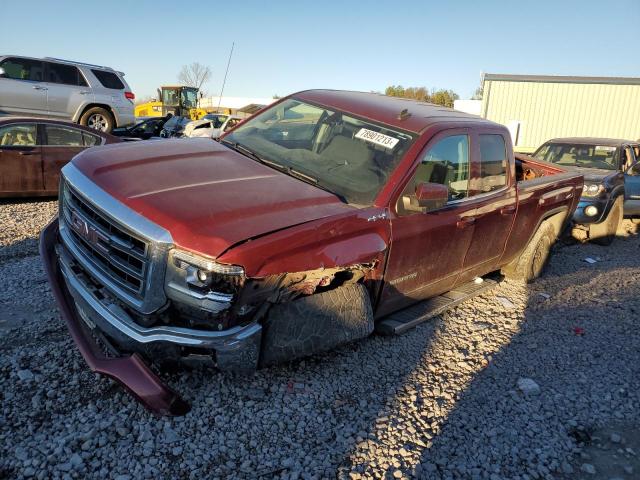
377, 138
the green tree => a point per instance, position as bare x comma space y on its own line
422, 94
478, 94
444, 97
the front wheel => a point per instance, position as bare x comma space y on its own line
98, 118
316, 323
603, 233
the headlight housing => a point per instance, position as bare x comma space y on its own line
592, 190
204, 274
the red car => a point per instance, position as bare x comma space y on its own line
33, 151
308, 226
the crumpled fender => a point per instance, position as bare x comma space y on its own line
339, 240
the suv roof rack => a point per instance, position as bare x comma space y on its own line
91, 65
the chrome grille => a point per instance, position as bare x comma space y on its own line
111, 248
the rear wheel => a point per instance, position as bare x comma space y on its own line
532, 261
316, 323
603, 233
98, 118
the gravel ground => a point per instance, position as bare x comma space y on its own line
521, 382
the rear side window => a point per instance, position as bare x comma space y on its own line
23, 69
21, 135
91, 140
493, 164
63, 136
108, 79
64, 74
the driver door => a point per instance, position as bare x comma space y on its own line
20, 160
632, 191
428, 249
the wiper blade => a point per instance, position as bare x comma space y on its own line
250, 153
302, 176
282, 168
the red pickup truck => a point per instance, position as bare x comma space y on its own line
305, 228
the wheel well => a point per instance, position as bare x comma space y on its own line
93, 105
557, 221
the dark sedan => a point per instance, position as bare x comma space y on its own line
32, 152
144, 130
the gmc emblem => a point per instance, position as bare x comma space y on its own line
87, 232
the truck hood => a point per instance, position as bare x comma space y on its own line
592, 175
207, 196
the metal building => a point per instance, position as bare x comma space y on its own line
536, 108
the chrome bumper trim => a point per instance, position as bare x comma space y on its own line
114, 321
212, 302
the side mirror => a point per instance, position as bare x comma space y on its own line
431, 196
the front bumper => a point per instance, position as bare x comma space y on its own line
580, 218
236, 349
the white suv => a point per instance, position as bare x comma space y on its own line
90, 95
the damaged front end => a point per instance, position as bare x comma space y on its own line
128, 294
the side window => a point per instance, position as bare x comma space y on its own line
22, 69
22, 135
446, 163
493, 164
231, 123
64, 74
91, 140
63, 136
110, 80
628, 158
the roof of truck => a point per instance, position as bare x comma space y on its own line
386, 109
606, 142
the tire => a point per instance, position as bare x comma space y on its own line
316, 323
99, 119
533, 259
604, 233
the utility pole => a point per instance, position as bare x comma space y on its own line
225, 77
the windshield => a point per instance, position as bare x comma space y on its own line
189, 98
350, 157
170, 97
579, 155
218, 120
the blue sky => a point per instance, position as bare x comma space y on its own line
282, 47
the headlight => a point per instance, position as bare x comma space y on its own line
203, 274
592, 190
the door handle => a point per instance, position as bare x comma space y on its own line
84, 93
26, 153
465, 222
510, 210
38, 87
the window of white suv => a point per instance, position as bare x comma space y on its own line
64, 74
108, 79
23, 69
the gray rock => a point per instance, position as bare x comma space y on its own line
25, 375
566, 467
588, 468
528, 386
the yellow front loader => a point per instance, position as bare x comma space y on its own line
175, 99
